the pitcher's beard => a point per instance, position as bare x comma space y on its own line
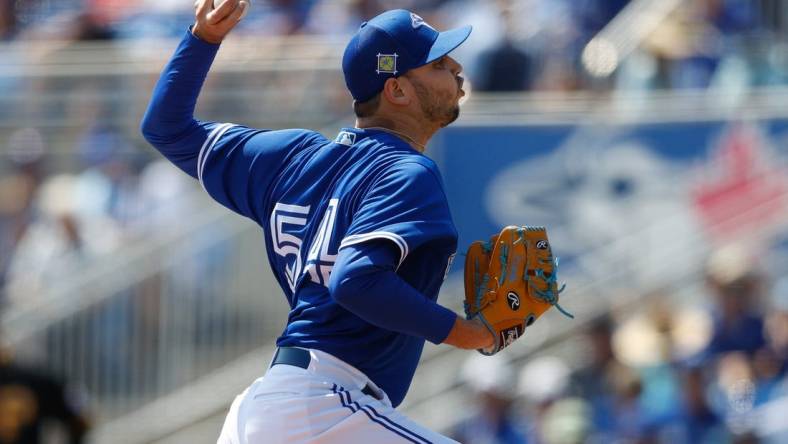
438, 107
455, 113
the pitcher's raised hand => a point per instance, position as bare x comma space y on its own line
213, 25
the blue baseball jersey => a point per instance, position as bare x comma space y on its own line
314, 197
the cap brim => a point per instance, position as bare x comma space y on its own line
447, 41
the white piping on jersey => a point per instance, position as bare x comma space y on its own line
206, 148
397, 239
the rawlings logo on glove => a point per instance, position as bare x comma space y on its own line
510, 281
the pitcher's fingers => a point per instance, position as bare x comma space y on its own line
222, 12
202, 7
235, 17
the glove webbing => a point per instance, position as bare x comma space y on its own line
549, 296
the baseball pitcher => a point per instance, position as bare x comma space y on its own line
357, 230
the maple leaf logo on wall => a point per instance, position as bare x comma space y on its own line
743, 187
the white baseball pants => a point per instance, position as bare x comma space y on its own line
321, 404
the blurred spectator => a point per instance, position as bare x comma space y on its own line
493, 420
777, 322
88, 26
736, 286
18, 188
593, 15
692, 419
544, 379
696, 68
7, 19
566, 422
108, 186
558, 45
768, 370
505, 66
36, 408
771, 362
593, 381
294, 14
56, 242
542, 382
628, 415
165, 194
733, 387
627, 384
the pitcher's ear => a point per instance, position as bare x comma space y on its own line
396, 90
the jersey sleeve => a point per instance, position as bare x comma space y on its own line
237, 165
406, 205
365, 283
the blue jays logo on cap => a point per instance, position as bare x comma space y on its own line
390, 45
387, 63
417, 21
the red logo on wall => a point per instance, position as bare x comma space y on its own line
743, 187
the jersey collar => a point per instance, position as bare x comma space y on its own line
352, 136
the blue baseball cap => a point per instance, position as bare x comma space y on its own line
390, 45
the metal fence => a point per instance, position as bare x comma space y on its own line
165, 315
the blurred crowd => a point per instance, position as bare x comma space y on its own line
519, 45
53, 225
665, 373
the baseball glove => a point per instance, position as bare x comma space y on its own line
510, 281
